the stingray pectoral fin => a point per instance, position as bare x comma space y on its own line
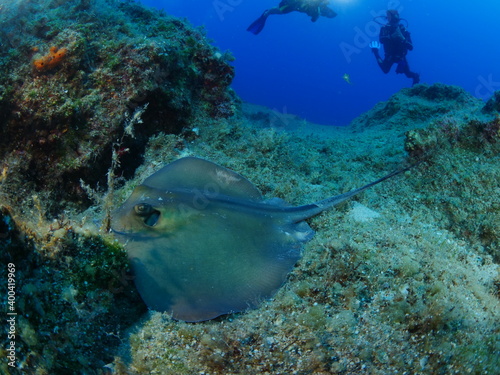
202, 177
221, 262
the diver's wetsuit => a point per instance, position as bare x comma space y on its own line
308, 7
397, 42
313, 8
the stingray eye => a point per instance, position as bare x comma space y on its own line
143, 209
149, 214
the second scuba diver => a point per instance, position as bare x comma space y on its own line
313, 8
397, 42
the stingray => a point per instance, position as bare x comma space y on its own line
203, 242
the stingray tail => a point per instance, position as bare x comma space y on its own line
314, 209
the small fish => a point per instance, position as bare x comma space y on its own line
203, 242
346, 77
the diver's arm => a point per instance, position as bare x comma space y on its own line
375, 46
408, 41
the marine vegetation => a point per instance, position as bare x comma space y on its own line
74, 295
70, 73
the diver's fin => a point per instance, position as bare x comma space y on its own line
257, 26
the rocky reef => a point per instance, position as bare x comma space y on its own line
72, 71
405, 279
73, 295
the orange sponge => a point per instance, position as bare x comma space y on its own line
51, 60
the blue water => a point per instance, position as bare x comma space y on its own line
296, 66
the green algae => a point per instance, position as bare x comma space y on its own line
63, 121
73, 295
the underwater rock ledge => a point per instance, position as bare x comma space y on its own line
62, 113
74, 296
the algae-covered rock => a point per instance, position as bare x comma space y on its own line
493, 103
72, 295
71, 72
418, 106
451, 132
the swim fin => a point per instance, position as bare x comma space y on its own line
257, 26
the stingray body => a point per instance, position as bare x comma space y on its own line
203, 242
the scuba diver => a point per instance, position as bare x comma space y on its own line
397, 42
313, 8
